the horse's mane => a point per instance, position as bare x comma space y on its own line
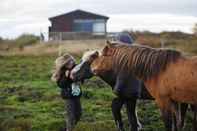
144, 62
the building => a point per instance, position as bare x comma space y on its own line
77, 22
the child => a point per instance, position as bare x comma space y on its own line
70, 91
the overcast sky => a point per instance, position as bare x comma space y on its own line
31, 16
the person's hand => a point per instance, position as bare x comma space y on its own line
67, 73
117, 92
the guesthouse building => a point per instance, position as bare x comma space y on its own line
77, 24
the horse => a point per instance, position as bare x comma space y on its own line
91, 60
83, 71
168, 75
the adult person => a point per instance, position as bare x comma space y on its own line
125, 38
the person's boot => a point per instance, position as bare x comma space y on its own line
120, 126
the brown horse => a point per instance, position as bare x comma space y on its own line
125, 97
169, 76
102, 66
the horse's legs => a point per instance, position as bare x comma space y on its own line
184, 107
176, 109
174, 122
194, 109
172, 113
180, 116
132, 117
167, 118
116, 107
166, 112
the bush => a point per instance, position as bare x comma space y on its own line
26, 39
1, 39
195, 29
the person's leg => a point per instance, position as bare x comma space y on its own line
73, 113
116, 108
70, 116
132, 117
77, 109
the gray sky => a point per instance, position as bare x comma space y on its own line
31, 16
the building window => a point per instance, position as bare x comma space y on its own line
83, 26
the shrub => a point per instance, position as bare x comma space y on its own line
195, 29
1, 39
26, 39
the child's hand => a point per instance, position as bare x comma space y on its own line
67, 73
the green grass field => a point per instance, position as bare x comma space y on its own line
29, 101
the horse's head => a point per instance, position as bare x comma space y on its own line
83, 70
91, 64
104, 59
61, 65
101, 65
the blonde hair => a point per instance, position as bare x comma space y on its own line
59, 63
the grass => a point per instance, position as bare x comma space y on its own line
29, 101
76, 47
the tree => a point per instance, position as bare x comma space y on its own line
195, 29
1, 39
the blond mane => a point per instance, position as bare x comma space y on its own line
88, 54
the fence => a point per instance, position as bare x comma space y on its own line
59, 36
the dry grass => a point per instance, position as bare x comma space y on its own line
76, 47
186, 44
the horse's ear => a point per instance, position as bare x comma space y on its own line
108, 42
106, 50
